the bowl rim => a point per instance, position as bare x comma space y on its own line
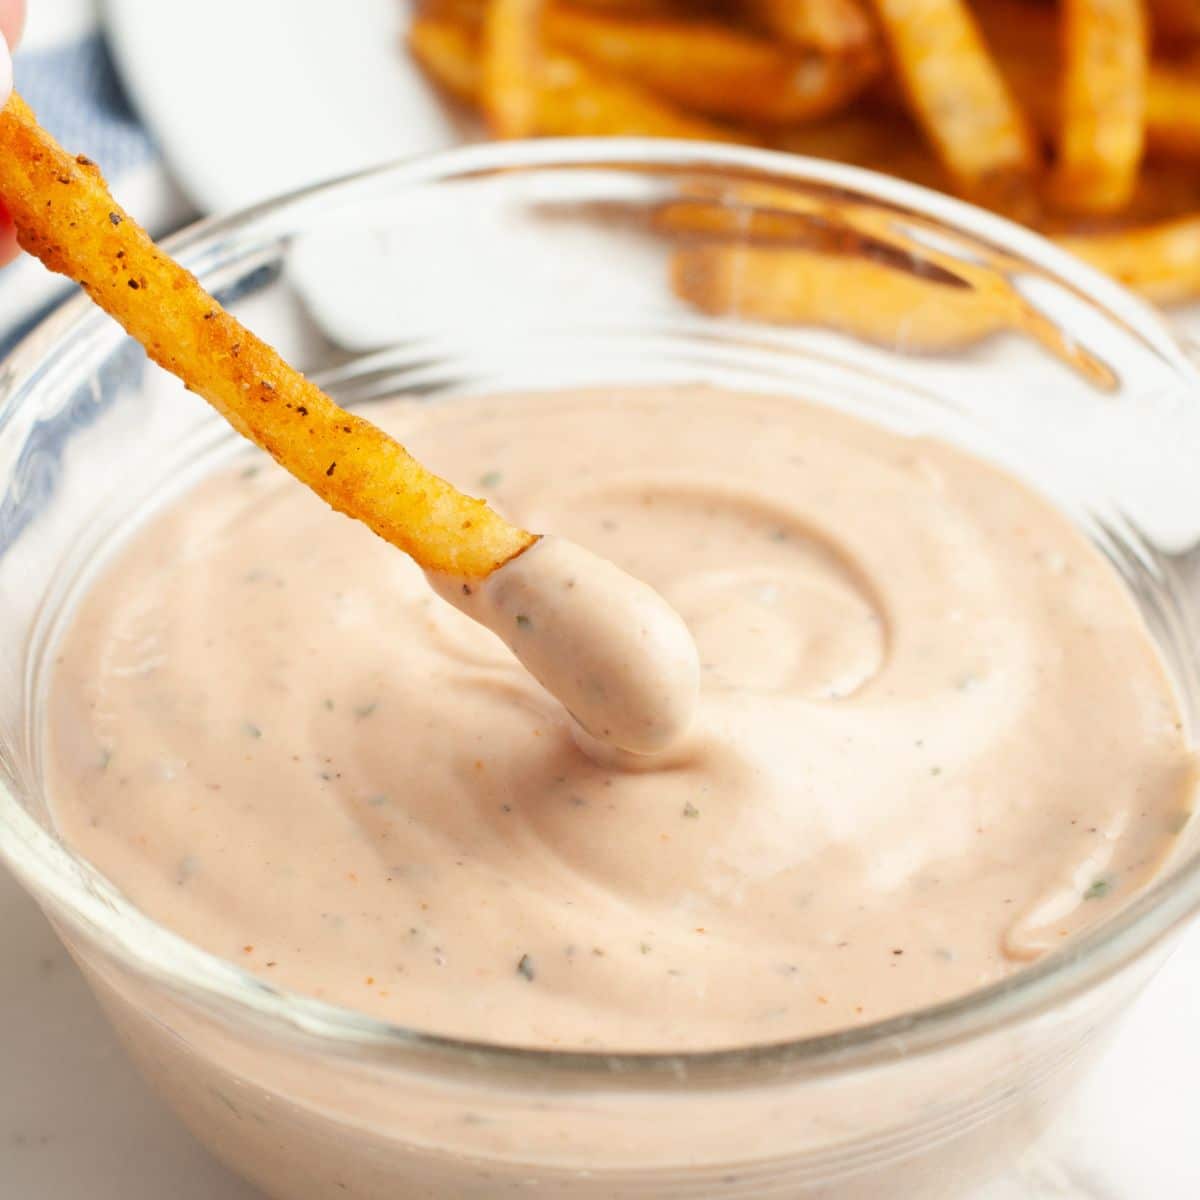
74, 891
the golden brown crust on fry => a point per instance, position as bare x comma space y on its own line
579, 100
803, 287
448, 51
976, 94
65, 216
834, 26
573, 99
1173, 111
512, 66
1101, 113
1161, 261
712, 68
961, 100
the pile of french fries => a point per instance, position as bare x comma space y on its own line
1078, 117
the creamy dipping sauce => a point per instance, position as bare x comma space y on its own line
934, 736
603, 643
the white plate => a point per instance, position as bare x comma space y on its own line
251, 98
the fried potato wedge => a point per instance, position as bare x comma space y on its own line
573, 98
713, 69
65, 215
867, 300
961, 100
835, 26
1160, 261
1102, 106
512, 66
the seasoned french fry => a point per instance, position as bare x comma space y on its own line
711, 68
1103, 104
573, 98
579, 101
866, 299
835, 26
83, 233
449, 52
961, 100
1160, 261
1173, 111
512, 66
648, 8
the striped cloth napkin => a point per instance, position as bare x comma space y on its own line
63, 69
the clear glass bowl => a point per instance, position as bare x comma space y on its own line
573, 263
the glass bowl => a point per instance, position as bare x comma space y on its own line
578, 263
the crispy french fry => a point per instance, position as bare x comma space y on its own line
1173, 111
1160, 261
573, 99
866, 299
512, 66
710, 68
835, 26
449, 53
81, 232
465, 12
961, 100
1102, 105
647, 8
580, 101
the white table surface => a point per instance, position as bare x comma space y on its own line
76, 1122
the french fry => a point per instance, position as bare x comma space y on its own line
449, 53
868, 300
961, 100
573, 99
1160, 261
1102, 108
710, 68
649, 8
577, 100
834, 26
1173, 111
512, 66
65, 216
